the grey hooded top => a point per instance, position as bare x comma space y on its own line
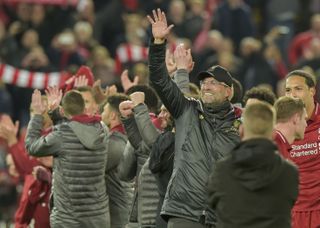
80, 157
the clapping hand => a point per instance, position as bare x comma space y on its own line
9, 130
190, 61
101, 94
183, 58
80, 81
180, 57
54, 96
37, 104
170, 63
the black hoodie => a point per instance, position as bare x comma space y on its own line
253, 187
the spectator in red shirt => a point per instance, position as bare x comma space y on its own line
34, 200
301, 41
305, 153
291, 123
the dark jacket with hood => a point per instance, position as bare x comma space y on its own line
203, 136
253, 187
79, 155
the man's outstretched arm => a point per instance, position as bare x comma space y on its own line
168, 91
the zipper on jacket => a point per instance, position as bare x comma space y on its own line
203, 217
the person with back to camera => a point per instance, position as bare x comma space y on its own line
254, 186
80, 156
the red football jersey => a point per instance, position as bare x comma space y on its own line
282, 143
306, 155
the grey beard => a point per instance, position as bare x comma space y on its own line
215, 104
212, 105
217, 107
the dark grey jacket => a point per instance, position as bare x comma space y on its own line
150, 135
202, 137
148, 190
161, 165
78, 186
146, 195
254, 187
120, 192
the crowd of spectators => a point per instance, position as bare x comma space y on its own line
258, 41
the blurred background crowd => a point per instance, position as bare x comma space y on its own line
258, 41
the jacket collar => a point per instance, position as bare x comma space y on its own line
118, 128
83, 118
283, 139
221, 111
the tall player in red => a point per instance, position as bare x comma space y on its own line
305, 153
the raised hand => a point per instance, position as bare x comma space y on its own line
9, 130
80, 81
70, 80
125, 108
98, 92
180, 57
111, 90
101, 94
190, 60
137, 98
11, 167
54, 96
37, 105
160, 28
171, 65
125, 81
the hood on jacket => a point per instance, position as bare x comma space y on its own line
90, 135
256, 163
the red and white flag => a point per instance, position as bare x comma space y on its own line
30, 79
129, 53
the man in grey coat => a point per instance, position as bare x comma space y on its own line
146, 195
80, 156
205, 132
120, 192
